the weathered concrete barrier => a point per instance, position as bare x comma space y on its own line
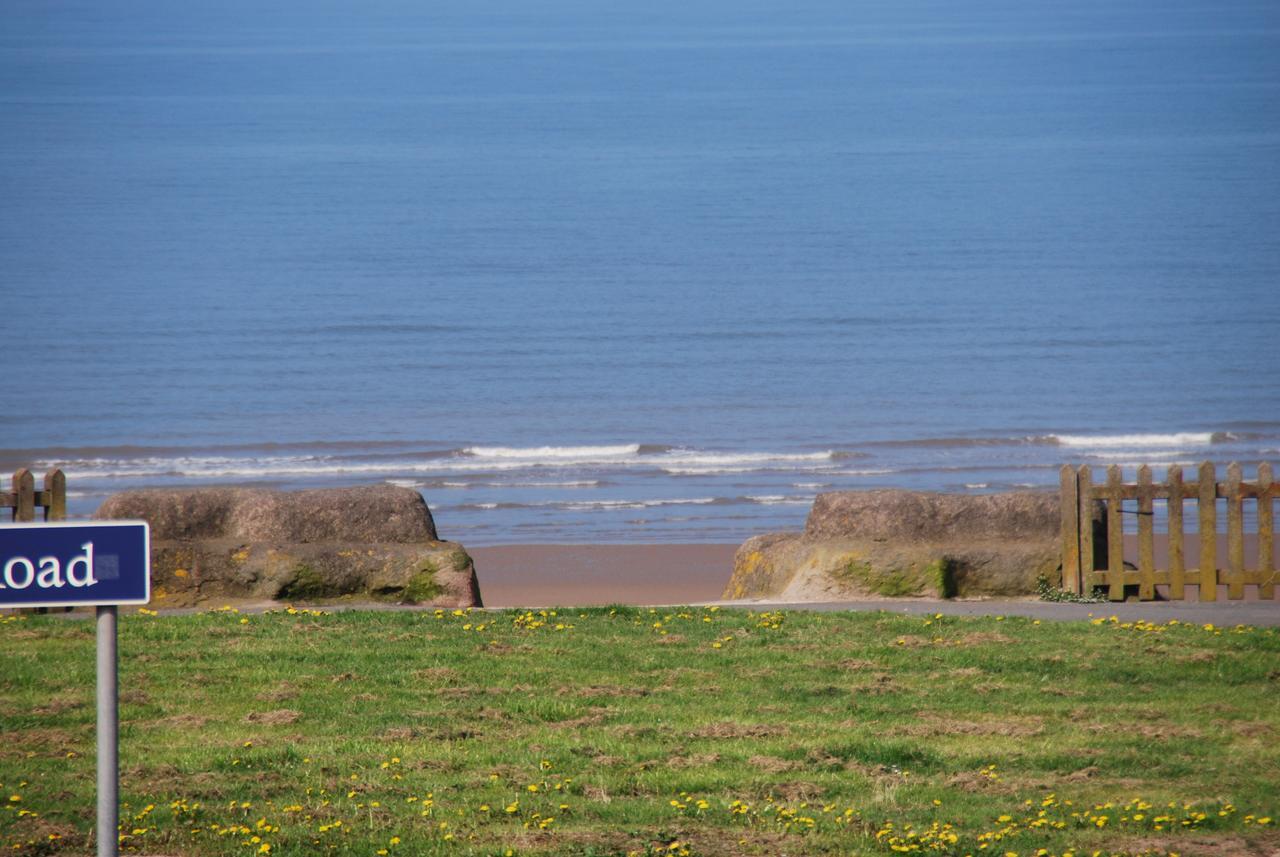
898, 544
231, 544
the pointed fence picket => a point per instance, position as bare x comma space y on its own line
24, 499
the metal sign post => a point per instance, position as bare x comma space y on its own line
101, 565
108, 735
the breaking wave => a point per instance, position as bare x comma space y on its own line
1141, 441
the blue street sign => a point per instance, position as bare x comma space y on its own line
75, 565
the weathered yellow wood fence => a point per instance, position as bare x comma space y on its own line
24, 499
1080, 498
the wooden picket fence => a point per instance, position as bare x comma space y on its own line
24, 499
1084, 569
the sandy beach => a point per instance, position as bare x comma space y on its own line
584, 575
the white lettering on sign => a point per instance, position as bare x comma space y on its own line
10, 580
20, 572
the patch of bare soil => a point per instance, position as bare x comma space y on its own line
594, 717
629, 730
25, 634
854, 664
491, 714
913, 642
42, 739
604, 690
932, 726
279, 717
1198, 658
877, 685
741, 844
726, 729
282, 692
1252, 729
772, 764
797, 791
1204, 845
399, 733
1081, 776
497, 648
982, 638
974, 781
184, 721
60, 704
1153, 731
597, 793
697, 760
452, 734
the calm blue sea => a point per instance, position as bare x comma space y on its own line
630, 271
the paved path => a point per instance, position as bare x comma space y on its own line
1226, 613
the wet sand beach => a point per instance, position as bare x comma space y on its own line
585, 575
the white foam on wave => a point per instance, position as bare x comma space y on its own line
778, 500
477, 459
239, 468
596, 505
1127, 457
589, 505
515, 483
1133, 464
541, 453
1134, 441
688, 463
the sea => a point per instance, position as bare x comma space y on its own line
624, 272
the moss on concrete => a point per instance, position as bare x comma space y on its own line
943, 573
422, 585
885, 582
307, 584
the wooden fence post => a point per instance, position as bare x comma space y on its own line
1208, 491
1115, 534
55, 495
1072, 579
1235, 532
1146, 535
1266, 533
1177, 562
1084, 488
24, 496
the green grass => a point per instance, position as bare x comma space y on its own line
626, 731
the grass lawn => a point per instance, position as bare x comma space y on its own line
628, 731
